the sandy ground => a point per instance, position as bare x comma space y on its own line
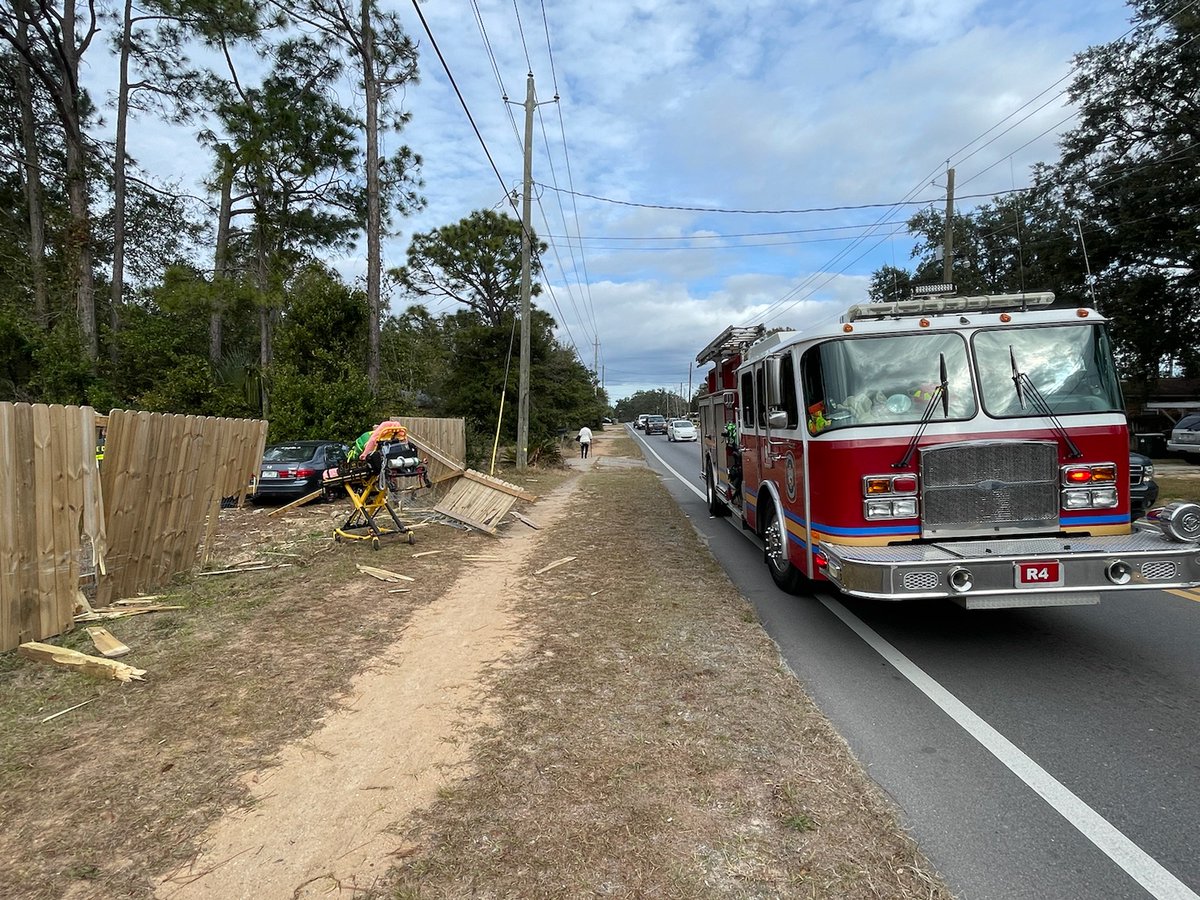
327, 820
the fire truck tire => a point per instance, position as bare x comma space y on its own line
716, 506
783, 573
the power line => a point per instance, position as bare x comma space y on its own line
754, 212
458, 93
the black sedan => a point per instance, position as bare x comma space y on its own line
290, 471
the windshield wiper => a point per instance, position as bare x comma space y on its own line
1022, 384
942, 393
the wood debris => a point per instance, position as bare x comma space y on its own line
427, 553
516, 515
305, 499
400, 591
383, 574
555, 564
94, 666
108, 612
482, 558
106, 643
249, 568
63, 712
69, 709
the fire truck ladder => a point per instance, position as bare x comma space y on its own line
733, 341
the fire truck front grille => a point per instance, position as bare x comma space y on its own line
995, 487
1159, 571
920, 581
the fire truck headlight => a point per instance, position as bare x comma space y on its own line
1104, 498
1104, 473
878, 509
904, 509
1076, 499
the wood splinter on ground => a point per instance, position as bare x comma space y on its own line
555, 564
383, 574
104, 641
95, 666
520, 518
121, 612
63, 712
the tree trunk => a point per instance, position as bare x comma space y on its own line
33, 172
79, 236
265, 322
117, 295
221, 258
374, 217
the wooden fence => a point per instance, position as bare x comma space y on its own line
148, 513
447, 438
49, 501
163, 479
145, 515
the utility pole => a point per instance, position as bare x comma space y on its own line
596, 362
526, 199
948, 258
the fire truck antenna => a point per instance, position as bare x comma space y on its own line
1087, 266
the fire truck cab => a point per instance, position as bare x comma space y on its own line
972, 448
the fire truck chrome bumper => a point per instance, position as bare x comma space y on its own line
981, 574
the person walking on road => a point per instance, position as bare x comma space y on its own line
585, 441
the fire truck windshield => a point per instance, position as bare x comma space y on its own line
1070, 365
886, 380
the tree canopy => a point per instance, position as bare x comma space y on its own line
1114, 220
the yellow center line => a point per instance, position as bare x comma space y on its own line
1186, 595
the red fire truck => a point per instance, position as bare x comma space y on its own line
974, 448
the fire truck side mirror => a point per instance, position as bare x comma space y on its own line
777, 418
772, 365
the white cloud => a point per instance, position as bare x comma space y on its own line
764, 104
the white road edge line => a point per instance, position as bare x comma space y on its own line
1138, 864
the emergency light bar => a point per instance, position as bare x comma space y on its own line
921, 306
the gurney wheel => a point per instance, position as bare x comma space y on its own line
374, 543
337, 538
412, 538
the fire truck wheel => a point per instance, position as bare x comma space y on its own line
783, 573
716, 507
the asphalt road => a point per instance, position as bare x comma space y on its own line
1045, 753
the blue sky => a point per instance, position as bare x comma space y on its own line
758, 105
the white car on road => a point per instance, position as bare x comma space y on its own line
681, 430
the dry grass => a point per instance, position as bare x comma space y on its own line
98, 800
651, 744
1185, 487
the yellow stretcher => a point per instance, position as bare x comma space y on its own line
375, 481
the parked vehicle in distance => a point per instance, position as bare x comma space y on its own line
681, 430
656, 425
1185, 438
1143, 489
641, 422
296, 468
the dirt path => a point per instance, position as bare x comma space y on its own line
325, 822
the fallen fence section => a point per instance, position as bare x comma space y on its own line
480, 501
